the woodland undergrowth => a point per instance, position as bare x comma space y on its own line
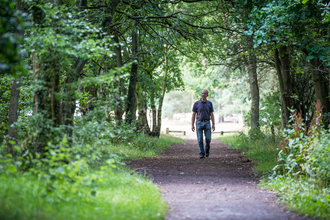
82, 177
295, 163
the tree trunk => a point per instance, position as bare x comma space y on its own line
142, 106
321, 88
161, 99
280, 80
147, 127
110, 11
14, 96
153, 108
253, 80
81, 4
130, 105
287, 85
119, 84
54, 95
13, 115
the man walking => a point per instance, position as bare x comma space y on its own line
204, 110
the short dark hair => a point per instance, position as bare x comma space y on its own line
206, 91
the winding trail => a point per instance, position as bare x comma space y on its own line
221, 186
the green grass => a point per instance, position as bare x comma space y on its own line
136, 151
302, 196
227, 138
261, 150
123, 194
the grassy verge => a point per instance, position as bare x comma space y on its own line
227, 138
143, 147
122, 193
121, 196
261, 150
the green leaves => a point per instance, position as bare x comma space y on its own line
11, 29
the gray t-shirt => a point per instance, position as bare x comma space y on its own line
203, 110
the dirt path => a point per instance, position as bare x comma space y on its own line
221, 186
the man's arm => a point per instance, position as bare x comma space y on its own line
212, 119
193, 121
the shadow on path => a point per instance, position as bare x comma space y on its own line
221, 186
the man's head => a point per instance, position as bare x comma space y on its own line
204, 95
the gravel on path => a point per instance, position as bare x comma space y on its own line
221, 186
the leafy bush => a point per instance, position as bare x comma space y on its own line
304, 151
302, 174
75, 182
319, 159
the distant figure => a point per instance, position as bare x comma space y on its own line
204, 110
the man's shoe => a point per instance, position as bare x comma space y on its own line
207, 155
201, 156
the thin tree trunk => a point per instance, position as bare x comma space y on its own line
287, 84
13, 115
110, 11
321, 88
147, 128
14, 95
153, 109
161, 99
130, 105
56, 101
253, 80
280, 80
119, 84
143, 121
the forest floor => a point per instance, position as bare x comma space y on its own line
221, 186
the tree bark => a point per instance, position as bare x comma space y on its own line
13, 115
161, 99
253, 80
321, 88
119, 84
142, 106
153, 108
287, 84
130, 105
110, 11
280, 80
